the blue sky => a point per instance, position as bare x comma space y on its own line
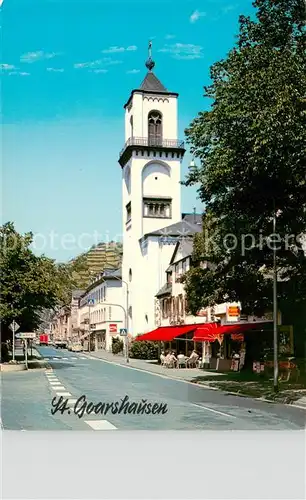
68, 67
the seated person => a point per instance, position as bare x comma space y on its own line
172, 359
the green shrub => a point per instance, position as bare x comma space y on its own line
144, 350
117, 345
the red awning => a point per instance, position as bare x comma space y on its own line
166, 333
206, 332
212, 331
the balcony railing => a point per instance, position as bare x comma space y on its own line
153, 142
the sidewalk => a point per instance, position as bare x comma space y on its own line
152, 366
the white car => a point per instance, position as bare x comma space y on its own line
76, 348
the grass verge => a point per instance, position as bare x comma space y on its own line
250, 384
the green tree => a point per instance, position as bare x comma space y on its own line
29, 284
251, 150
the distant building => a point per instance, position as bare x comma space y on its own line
101, 311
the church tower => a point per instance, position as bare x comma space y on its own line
151, 191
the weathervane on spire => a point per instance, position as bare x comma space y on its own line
150, 63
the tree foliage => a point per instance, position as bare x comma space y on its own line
251, 148
29, 283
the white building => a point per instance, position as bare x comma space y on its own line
171, 302
106, 316
151, 194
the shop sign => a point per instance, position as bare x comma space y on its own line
233, 311
113, 328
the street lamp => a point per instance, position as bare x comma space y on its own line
275, 311
126, 315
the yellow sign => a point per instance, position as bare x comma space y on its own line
233, 311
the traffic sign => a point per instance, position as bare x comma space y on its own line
91, 302
14, 326
123, 332
25, 335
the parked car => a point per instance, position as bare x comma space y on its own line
76, 347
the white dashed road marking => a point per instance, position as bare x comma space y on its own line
54, 384
59, 388
66, 394
213, 411
100, 425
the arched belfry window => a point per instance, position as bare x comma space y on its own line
132, 126
155, 123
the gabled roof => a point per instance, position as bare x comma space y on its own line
152, 84
185, 247
165, 290
179, 229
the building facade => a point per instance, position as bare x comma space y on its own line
171, 303
101, 313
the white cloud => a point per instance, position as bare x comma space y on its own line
105, 61
19, 73
89, 64
115, 50
133, 71
7, 67
186, 51
40, 55
112, 62
195, 16
169, 37
98, 70
56, 70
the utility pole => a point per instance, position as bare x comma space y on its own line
275, 312
127, 324
89, 304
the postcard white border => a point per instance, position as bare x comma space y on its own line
153, 465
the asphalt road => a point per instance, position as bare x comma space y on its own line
127, 395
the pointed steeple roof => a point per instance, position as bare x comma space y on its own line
152, 84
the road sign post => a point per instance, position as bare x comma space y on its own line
26, 353
14, 327
123, 333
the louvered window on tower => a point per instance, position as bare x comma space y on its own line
159, 209
155, 128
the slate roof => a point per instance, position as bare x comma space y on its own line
152, 84
179, 229
194, 218
165, 290
111, 272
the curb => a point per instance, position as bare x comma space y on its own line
198, 384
